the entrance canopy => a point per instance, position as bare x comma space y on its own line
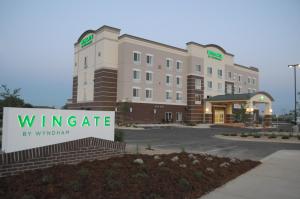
247, 99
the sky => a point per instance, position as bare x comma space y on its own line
37, 38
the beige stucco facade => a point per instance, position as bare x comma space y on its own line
128, 55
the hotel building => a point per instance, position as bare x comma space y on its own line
146, 81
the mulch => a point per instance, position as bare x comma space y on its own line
120, 177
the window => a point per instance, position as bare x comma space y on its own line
168, 116
136, 57
136, 75
220, 73
253, 81
85, 62
169, 63
240, 78
148, 93
220, 86
178, 96
168, 80
239, 89
234, 76
85, 78
149, 76
229, 75
178, 116
135, 92
198, 84
209, 85
149, 60
198, 68
168, 95
209, 71
197, 99
254, 90
229, 89
178, 81
249, 90
178, 65
249, 80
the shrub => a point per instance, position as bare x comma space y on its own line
149, 147
113, 184
198, 175
225, 134
75, 185
244, 135
28, 196
83, 173
140, 175
298, 137
184, 184
47, 179
233, 134
272, 136
119, 135
256, 135
285, 137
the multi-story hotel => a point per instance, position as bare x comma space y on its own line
149, 82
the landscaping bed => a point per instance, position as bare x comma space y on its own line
172, 176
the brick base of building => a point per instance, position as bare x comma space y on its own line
267, 120
229, 118
147, 113
208, 118
71, 152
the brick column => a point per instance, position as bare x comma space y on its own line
267, 120
249, 119
208, 118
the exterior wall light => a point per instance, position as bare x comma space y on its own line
206, 110
271, 110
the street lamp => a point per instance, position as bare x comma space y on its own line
295, 67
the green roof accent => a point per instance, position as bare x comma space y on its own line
238, 97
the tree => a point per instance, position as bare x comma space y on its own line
11, 98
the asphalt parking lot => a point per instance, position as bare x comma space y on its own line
203, 140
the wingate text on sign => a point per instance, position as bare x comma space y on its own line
25, 128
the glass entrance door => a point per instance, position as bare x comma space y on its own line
219, 116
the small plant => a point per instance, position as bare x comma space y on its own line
75, 185
109, 173
47, 179
244, 135
119, 135
273, 135
184, 184
141, 174
149, 147
256, 135
285, 137
116, 165
233, 134
182, 149
198, 175
83, 173
28, 196
113, 184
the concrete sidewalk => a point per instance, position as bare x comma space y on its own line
278, 177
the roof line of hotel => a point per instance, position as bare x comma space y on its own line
151, 41
246, 67
210, 45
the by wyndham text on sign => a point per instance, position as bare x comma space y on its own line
25, 128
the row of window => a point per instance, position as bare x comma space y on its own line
238, 77
136, 76
150, 61
136, 94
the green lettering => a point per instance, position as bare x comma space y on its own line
56, 121
43, 120
107, 121
26, 120
85, 121
72, 121
97, 118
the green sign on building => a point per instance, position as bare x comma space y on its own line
86, 40
214, 55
